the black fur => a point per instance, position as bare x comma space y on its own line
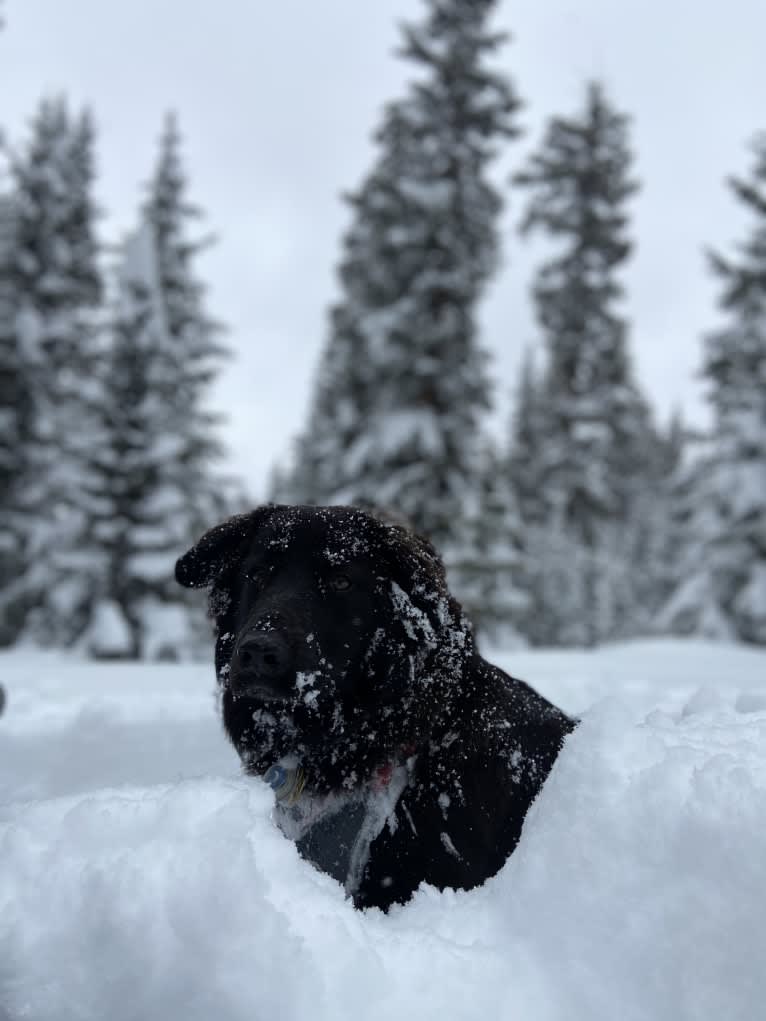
339, 643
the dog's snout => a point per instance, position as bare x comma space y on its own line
264, 653
262, 664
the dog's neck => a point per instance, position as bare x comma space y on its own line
290, 781
335, 831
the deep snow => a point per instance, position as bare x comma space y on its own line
142, 877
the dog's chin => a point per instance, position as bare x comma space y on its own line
258, 696
318, 738
337, 740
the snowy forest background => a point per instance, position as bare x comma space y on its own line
592, 520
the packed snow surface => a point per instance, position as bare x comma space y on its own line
142, 877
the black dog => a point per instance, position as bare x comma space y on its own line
350, 681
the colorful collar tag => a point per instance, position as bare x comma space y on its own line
287, 783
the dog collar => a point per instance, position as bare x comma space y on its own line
335, 831
286, 781
383, 775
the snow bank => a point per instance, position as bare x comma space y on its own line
73, 726
637, 890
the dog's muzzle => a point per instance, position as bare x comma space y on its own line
262, 665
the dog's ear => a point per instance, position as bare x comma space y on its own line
421, 573
416, 557
217, 550
425, 619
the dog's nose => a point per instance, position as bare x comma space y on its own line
261, 663
264, 653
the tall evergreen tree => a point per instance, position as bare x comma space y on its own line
15, 410
652, 540
121, 565
14, 422
528, 434
403, 382
54, 276
191, 337
722, 592
486, 562
592, 428
152, 483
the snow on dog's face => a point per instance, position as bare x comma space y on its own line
337, 640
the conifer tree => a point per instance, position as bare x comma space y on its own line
14, 435
722, 591
403, 382
56, 284
527, 448
486, 562
652, 542
123, 559
597, 429
152, 483
191, 338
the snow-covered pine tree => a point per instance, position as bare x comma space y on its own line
152, 487
122, 594
487, 562
598, 439
373, 280
526, 471
651, 539
15, 412
56, 283
193, 349
723, 502
527, 447
403, 382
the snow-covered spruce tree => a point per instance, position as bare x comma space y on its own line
723, 591
151, 486
15, 412
374, 275
651, 537
529, 429
487, 563
688, 607
57, 289
146, 485
524, 467
593, 434
121, 565
193, 350
403, 381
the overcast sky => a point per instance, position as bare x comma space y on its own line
277, 102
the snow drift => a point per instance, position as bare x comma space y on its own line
637, 890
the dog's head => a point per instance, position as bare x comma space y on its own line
337, 639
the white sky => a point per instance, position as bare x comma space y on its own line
277, 102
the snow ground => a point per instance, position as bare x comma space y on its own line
142, 877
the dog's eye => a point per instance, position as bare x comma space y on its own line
340, 583
257, 575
